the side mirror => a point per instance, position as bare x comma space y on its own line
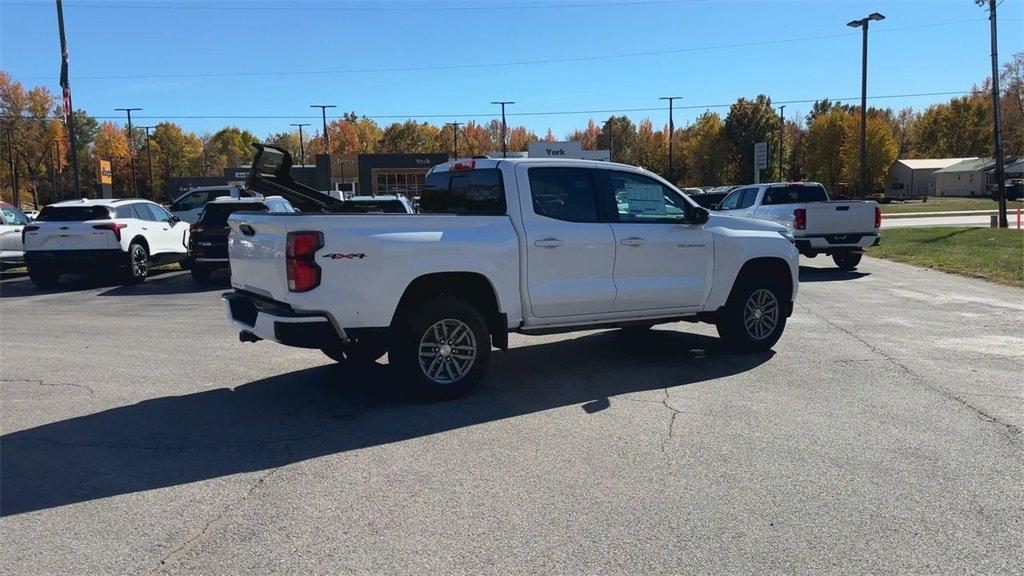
174, 219
699, 216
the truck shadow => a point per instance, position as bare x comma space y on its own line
810, 274
160, 282
329, 409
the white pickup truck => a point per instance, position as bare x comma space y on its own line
534, 246
821, 226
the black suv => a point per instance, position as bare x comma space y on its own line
208, 240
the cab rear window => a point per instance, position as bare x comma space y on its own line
476, 192
372, 207
73, 213
217, 214
798, 194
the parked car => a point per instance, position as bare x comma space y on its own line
525, 245
709, 200
208, 237
841, 229
124, 237
384, 204
189, 205
12, 221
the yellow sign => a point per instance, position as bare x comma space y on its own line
106, 176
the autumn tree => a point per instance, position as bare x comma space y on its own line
230, 146
707, 152
650, 148
588, 137
822, 157
289, 142
882, 151
411, 136
111, 144
1012, 105
957, 129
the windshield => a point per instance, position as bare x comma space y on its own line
217, 214
795, 194
73, 213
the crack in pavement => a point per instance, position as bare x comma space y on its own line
49, 384
1010, 431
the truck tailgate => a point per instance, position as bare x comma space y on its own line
256, 248
839, 218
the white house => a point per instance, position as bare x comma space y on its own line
915, 177
971, 177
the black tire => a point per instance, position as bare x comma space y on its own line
44, 278
639, 331
755, 316
361, 352
137, 267
456, 365
201, 274
185, 263
847, 259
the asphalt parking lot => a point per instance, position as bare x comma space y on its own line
883, 435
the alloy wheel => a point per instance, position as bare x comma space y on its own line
447, 351
761, 314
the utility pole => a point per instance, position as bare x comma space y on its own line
149, 153
302, 145
15, 197
323, 113
504, 129
782, 141
455, 136
65, 84
863, 25
671, 133
131, 147
611, 145
997, 117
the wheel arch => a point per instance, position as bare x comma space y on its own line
471, 287
765, 266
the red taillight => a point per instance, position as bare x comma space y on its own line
303, 271
26, 229
462, 166
800, 219
878, 217
115, 228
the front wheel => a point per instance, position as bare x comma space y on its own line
754, 317
138, 264
847, 259
441, 350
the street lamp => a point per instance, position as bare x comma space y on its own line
782, 136
131, 146
504, 145
455, 136
863, 25
323, 112
149, 154
302, 147
671, 132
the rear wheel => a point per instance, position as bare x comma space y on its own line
201, 274
44, 278
441, 350
847, 259
138, 264
754, 317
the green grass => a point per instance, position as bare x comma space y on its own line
993, 254
935, 204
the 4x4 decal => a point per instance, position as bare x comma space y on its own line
358, 255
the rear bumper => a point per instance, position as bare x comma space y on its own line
75, 260
827, 243
272, 320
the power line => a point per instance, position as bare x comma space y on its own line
334, 8
441, 67
494, 115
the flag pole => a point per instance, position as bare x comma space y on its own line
65, 84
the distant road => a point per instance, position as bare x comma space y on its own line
970, 220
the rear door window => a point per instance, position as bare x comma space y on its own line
13, 216
749, 195
73, 213
564, 194
477, 192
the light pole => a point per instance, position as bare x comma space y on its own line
65, 84
149, 156
671, 133
863, 25
504, 145
455, 136
302, 146
997, 130
323, 112
131, 146
782, 141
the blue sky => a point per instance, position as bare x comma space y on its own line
711, 53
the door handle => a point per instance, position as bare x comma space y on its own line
632, 241
144, 228
548, 243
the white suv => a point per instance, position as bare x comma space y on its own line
124, 236
189, 205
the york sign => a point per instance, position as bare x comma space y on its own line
555, 150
